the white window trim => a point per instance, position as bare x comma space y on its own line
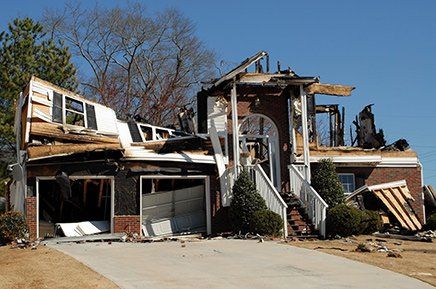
153, 132
206, 189
64, 112
354, 180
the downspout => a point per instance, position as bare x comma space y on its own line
424, 217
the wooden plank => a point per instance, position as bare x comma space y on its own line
398, 202
329, 89
391, 208
398, 191
54, 131
52, 150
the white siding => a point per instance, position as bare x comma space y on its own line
217, 111
106, 119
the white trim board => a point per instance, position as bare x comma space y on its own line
368, 161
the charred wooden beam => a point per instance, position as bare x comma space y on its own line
54, 131
329, 89
66, 149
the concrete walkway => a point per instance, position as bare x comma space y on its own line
229, 264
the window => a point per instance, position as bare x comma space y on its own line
74, 112
347, 181
147, 132
162, 134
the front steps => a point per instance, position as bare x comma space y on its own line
298, 222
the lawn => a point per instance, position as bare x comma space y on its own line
418, 258
46, 268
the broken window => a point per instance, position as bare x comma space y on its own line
147, 132
74, 112
162, 134
348, 182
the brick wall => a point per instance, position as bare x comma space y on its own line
378, 175
31, 216
127, 223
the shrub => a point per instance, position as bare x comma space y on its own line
246, 200
370, 222
326, 182
343, 221
12, 226
266, 222
431, 222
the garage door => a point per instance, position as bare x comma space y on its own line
173, 206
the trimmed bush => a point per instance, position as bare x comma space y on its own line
326, 182
370, 222
245, 202
12, 226
431, 222
343, 221
267, 223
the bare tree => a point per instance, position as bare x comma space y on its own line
141, 64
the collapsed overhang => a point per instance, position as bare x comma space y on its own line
396, 197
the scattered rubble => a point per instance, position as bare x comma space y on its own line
394, 255
364, 248
426, 236
24, 243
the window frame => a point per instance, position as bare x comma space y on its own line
354, 181
65, 109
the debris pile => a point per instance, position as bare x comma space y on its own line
23, 243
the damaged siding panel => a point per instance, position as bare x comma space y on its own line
217, 115
106, 120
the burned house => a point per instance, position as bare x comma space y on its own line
80, 170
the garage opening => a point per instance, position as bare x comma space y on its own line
174, 205
74, 207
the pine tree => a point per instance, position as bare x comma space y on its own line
326, 182
245, 202
25, 50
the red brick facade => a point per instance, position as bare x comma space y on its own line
276, 108
127, 224
378, 175
31, 216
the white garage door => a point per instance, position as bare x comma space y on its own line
172, 206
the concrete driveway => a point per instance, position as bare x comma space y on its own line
229, 264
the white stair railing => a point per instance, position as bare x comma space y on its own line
316, 207
272, 198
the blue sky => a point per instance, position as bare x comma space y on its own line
387, 49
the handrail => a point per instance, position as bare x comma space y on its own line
298, 173
269, 193
316, 206
259, 169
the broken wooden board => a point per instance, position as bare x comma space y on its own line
54, 131
183, 144
67, 149
329, 89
